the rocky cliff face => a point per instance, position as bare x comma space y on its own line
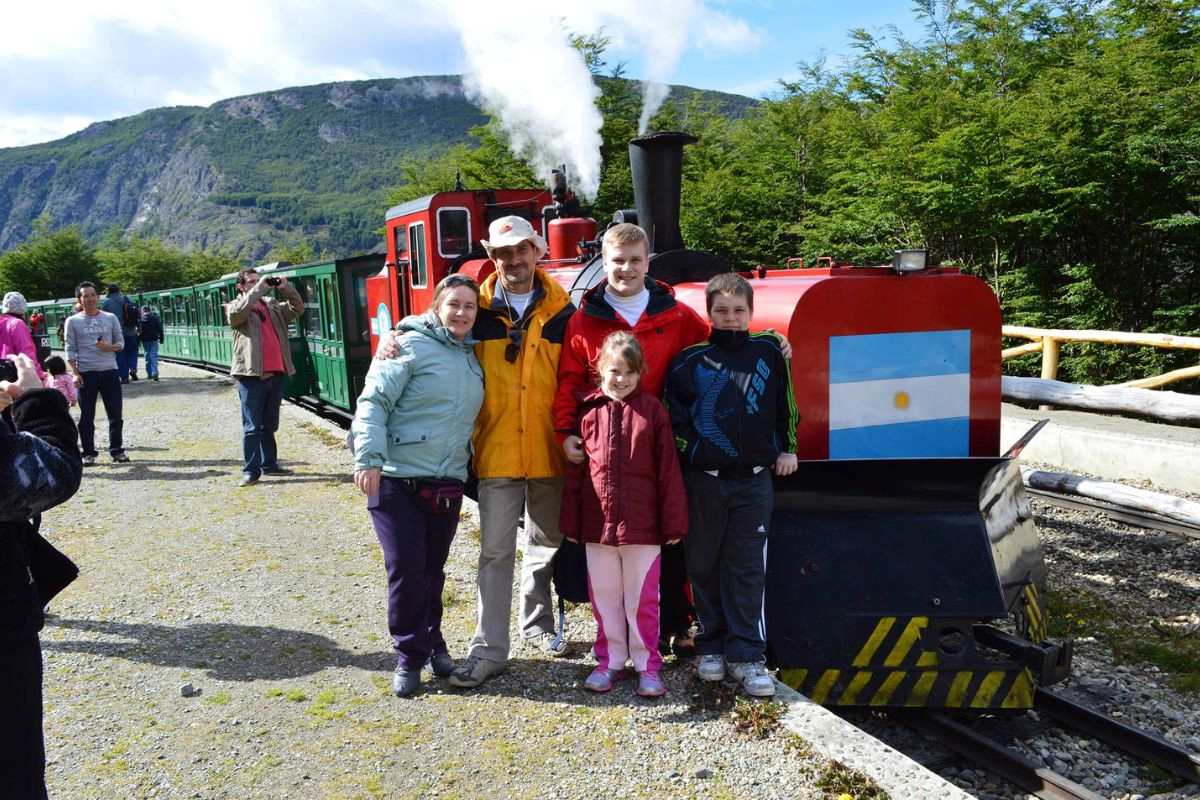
244, 174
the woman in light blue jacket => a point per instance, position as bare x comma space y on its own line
412, 443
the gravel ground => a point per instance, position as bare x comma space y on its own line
269, 601
1147, 577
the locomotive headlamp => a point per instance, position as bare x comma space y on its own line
909, 261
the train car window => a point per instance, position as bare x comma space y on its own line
332, 309
359, 332
312, 306
454, 232
416, 241
189, 304
400, 238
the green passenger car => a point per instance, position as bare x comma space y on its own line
330, 343
54, 315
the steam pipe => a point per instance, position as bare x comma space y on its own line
656, 164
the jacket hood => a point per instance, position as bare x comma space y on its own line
428, 324
662, 298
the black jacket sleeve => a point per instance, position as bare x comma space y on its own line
680, 395
39, 463
787, 415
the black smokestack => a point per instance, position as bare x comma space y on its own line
656, 162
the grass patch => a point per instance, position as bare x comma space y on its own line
840, 782
218, 698
756, 719
324, 706
1132, 640
326, 438
797, 745
295, 695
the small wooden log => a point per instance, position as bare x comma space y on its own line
1161, 380
1176, 508
1105, 337
1020, 350
1172, 406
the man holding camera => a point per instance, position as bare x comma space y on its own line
262, 360
93, 339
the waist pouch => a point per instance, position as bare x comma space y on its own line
436, 495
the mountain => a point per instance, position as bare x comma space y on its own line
312, 163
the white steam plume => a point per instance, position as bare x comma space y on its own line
524, 71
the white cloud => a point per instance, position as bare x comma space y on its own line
17, 130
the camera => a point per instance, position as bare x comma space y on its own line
274, 281
8, 371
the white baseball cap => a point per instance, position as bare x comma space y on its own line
14, 303
511, 230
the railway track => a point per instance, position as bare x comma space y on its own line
1129, 516
1039, 781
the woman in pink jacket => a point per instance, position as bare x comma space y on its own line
14, 333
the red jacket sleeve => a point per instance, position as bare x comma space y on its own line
673, 506
572, 379
695, 328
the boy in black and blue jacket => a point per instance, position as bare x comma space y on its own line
734, 417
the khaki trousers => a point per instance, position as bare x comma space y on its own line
501, 501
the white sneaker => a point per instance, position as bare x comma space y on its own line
754, 678
711, 667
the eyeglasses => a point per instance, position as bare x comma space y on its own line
513, 348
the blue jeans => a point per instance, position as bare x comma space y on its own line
261, 398
151, 359
107, 385
127, 358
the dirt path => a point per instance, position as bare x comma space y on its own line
270, 601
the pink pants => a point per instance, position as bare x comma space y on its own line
623, 586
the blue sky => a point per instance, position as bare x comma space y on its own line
68, 64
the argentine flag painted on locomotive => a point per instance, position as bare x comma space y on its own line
900, 395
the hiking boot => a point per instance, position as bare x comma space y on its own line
474, 671
441, 665
601, 680
551, 644
89, 461
120, 457
406, 681
711, 667
650, 685
754, 678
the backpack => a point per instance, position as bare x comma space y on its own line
131, 314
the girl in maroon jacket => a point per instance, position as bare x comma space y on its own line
624, 503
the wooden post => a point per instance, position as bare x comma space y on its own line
1049, 364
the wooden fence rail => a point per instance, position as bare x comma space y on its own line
1048, 340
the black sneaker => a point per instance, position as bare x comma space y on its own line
120, 457
405, 682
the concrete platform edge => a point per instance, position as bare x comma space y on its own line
1118, 451
837, 739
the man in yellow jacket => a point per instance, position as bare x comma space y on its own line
523, 315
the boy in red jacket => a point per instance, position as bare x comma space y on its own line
624, 505
629, 300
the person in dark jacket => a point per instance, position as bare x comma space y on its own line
624, 505
126, 312
39, 468
734, 417
151, 333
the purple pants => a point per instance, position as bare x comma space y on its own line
415, 547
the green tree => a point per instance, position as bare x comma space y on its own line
50, 264
139, 264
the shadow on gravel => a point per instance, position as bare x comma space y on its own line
154, 470
226, 652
